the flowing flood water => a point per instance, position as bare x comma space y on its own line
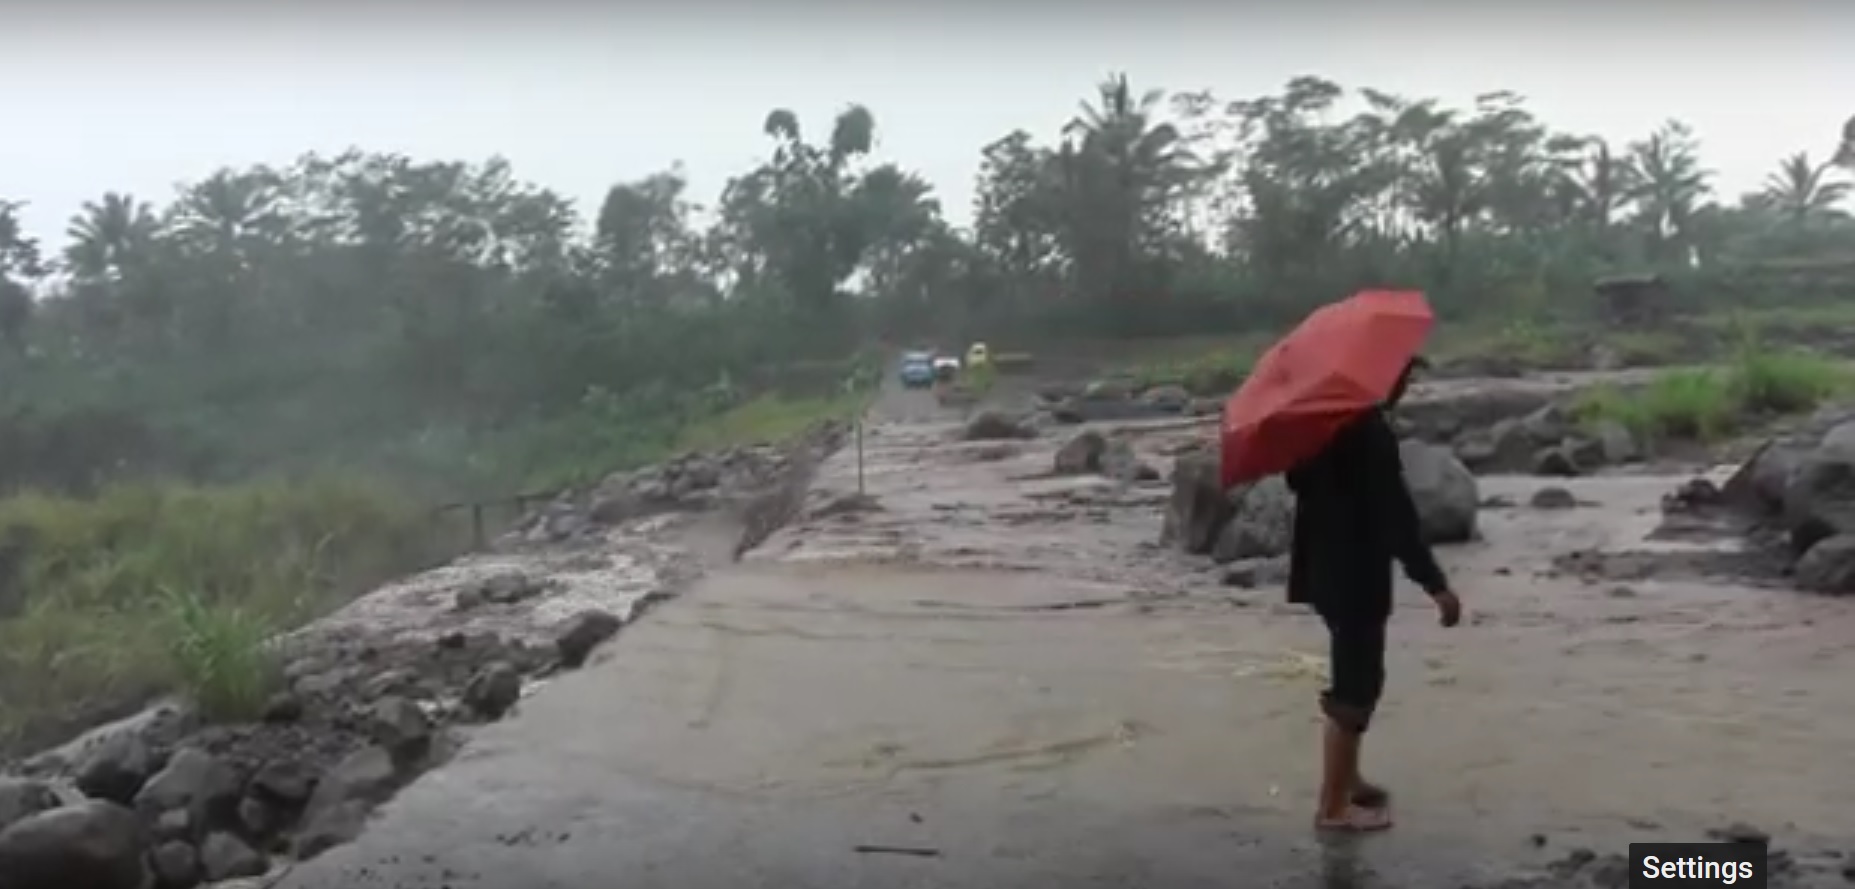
984, 675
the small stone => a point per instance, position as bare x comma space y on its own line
493, 690
584, 632
21, 799
174, 824
283, 707
258, 819
285, 782
115, 770
401, 727
226, 857
1553, 498
176, 865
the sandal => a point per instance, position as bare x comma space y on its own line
1356, 820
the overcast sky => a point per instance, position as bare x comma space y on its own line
100, 96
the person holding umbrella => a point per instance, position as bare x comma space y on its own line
1315, 408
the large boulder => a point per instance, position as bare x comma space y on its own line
1819, 497
94, 844
203, 785
1198, 509
21, 799
1082, 454
1262, 522
1445, 491
1758, 486
1828, 566
992, 425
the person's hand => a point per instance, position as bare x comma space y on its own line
1448, 608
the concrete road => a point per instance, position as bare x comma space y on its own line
1060, 703
761, 730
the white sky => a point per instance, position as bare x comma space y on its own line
579, 98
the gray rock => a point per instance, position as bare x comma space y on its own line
174, 824
1758, 486
20, 799
176, 865
282, 707
1553, 498
1261, 523
116, 769
327, 828
368, 775
401, 727
95, 844
1828, 567
1198, 509
258, 819
1616, 442
1819, 499
493, 690
584, 632
1171, 398
1081, 454
988, 425
204, 785
284, 782
226, 857
1108, 390
1119, 462
1204, 407
1555, 462
1446, 493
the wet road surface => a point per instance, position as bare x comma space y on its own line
996, 680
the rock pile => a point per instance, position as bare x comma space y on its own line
1093, 452
697, 481
187, 804
184, 804
1545, 442
1803, 492
1257, 520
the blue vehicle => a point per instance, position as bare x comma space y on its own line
917, 370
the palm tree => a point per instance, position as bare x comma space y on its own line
1123, 174
1669, 182
108, 236
1845, 152
1801, 192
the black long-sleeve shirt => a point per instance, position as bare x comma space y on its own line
1354, 516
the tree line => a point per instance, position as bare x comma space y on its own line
451, 321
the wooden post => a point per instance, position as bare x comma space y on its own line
476, 525
859, 456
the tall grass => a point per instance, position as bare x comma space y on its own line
1705, 404
151, 588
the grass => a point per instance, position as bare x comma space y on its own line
1203, 366
769, 418
1706, 404
151, 588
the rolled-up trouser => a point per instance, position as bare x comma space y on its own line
1356, 664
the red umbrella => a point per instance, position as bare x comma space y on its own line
1341, 361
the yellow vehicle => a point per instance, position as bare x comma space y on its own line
977, 354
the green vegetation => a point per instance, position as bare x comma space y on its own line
1705, 404
224, 413
149, 587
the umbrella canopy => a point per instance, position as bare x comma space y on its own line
1343, 360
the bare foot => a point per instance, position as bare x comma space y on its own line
1367, 795
1357, 819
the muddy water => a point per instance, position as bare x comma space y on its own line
999, 674
1682, 699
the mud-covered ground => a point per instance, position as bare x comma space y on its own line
979, 673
